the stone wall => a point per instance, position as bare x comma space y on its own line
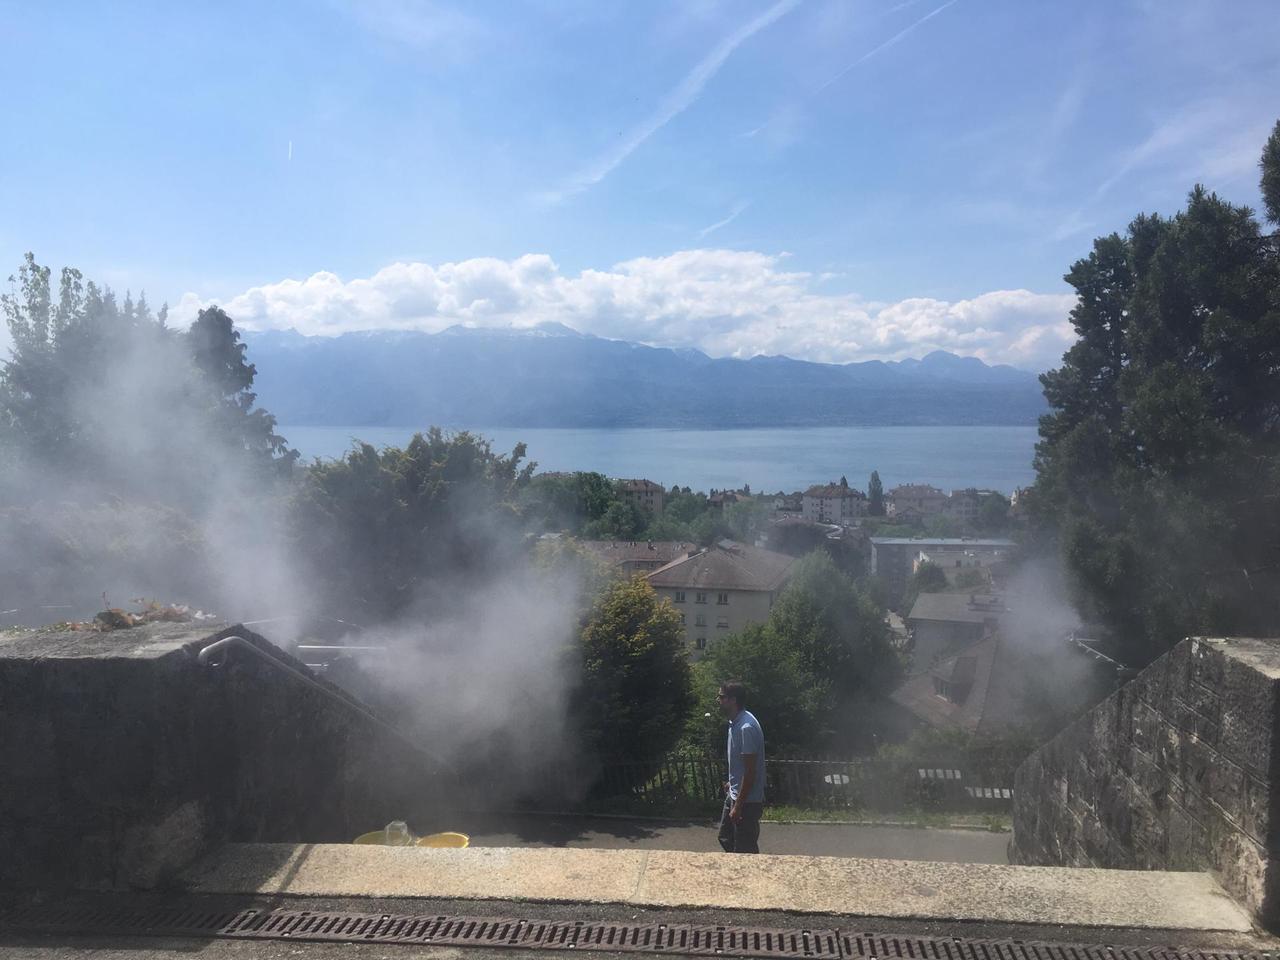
122, 757
1178, 770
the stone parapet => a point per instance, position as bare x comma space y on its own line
1178, 770
123, 757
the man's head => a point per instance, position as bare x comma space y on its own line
733, 698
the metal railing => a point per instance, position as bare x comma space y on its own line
217, 653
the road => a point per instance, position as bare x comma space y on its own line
827, 839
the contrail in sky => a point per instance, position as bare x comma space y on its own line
888, 43
679, 100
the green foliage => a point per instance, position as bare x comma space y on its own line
566, 502
621, 521
636, 689
969, 579
216, 350
993, 514
941, 525
105, 391
1158, 464
379, 529
797, 701
1271, 175
928, 578
875, 495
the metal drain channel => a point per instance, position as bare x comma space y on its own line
699, 940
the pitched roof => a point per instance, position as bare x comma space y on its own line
640, 485
629, 551
970, 673
738, 567
833, 490
957, 607
916, 490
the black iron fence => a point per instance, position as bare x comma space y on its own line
690, 780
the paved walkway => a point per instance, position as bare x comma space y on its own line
827, 839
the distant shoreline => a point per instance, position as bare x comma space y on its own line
996, 457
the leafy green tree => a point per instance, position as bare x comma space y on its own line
219, 355
794, 702
621, 521
1270, 164
875, 495
993, 513
686, 507
835, 628
379, 529
1158, 464
636, 690
928, 578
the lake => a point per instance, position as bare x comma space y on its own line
768, 459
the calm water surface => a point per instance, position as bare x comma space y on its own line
768, 459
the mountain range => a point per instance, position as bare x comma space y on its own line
552, 376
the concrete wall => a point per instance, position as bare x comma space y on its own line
122, 757
1177, 770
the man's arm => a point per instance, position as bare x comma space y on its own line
748, 781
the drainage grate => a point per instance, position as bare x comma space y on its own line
686, 939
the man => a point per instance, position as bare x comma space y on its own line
744, 793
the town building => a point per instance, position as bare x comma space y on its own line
643, 493
892, 557
719, 499
941, 623
722, 589
955, 560
627, 558
964, 504
914, 500
833, 503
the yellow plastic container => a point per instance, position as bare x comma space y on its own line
377, 838
446, 839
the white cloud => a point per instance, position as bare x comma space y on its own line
725, 302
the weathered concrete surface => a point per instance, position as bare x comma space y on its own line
123, 758
19, 947
1179, 769
659, 878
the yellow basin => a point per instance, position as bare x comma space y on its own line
446, 839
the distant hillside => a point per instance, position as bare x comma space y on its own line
552, 376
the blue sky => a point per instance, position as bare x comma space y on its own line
832, 180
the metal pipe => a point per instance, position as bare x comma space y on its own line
217, 653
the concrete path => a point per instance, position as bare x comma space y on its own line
663, 878
827, 839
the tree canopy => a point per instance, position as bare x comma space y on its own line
1159, 463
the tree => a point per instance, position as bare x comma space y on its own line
836, 629
219, 355
380, 529
797, 702
622, 520
993, 513
636, 689
928, 578
1158, 462
875, 495
1270, 165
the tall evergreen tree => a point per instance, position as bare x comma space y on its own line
1158, 464
875, 495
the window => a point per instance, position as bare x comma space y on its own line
959, 563
701, 643
679, 596
682, 619
723, 623
722, 598
700, 598
700, 620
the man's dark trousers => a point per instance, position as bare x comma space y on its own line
743, 836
